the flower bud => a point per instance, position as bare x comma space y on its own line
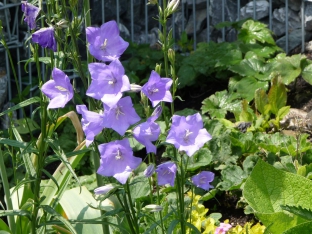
135, 88
158, 68
173, 5
148, 172
62, 23
103, 190
153, 208
171, 55
152, 2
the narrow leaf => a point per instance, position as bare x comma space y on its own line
21, 104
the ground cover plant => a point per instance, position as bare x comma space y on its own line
115, 110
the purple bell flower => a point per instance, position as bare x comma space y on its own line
105, 44
108, 82
59, 90
203, 179
31, 12
92, 123
187, 133
120, 116
45, 38
157, 89
149, 171
148, 131
117, 160
166, 173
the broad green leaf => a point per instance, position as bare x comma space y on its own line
253, 31
245, 115
304, 228
4, 227
268, 188
253, 67
139, 187
232, 177
201, 158
211, 194
246, 87
279, 222
277, 95
282, 112
75, 205
287, 68
21, 104
187, 76
304, 213
261, 99
307, 74
219, 103
53, 213
22, 126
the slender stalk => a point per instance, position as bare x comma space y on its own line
132, 208
160, 213
6, 188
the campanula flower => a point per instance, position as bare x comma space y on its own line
203, 179
31, 12
120, 116
223, 228
45, 38
117, 160
187, 133
148, 131
103, 189
108, 82
149, 171
166, 173
157, 89
59, 90
92, 123
105, 44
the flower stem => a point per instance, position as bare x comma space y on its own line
6, 189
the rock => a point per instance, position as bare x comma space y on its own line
201, 16
230, 11
5, 20
5, 120
262, 10
279, 18
199, 3
308, 17
293, 4
294, 39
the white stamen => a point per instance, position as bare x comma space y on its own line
152, 91
60, 88
187, 134
118, 112
103, 46
118, 156
113, 80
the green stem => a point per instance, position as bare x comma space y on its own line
160, 213
6, 188
135, 220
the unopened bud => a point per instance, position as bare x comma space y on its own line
173, 5
135, 88
103, 190
148, 172
171, 56
62, 23
152, 2
153, 208
158, 68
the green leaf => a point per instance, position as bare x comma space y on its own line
253, 67
52, 212
253, 31
219, 103
282, 112
304, 228
267, 189
139, 187
307, 74
245, 87
75, 205
201, 158
187, 76
304, 213
277, 95
261, 99
288, 68
232, 177
21, 104
22, 125
4, 227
